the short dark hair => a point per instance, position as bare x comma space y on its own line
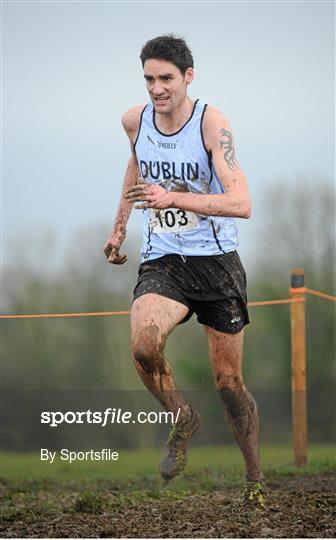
168, 47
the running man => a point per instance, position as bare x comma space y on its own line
184, 175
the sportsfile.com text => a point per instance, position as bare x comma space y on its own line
109, 416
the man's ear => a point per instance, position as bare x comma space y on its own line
189, 75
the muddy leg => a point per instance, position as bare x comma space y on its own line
153, 317
240, 407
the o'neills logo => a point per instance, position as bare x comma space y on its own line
166, 170
167, 145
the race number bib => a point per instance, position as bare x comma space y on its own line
172, 220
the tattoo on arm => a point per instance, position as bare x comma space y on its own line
229, 152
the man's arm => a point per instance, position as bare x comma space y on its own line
130, 122
235, 202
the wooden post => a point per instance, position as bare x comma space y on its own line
299, 385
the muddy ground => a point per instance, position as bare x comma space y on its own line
296, 507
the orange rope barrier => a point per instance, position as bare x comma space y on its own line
322, 295
274, 302
304, 290
299, 290
48, 315
101, 313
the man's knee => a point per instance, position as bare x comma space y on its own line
148, 349
237, 399
231, 390
146, 357
228, 381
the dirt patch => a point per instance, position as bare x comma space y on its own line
296, 507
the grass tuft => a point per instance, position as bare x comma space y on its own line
89, 502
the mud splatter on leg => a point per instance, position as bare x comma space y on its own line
226, 352
242, 414
149, 333
156, 373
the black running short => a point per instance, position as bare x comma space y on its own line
213, 287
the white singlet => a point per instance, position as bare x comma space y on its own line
180, 162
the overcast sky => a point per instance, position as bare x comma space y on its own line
70, 69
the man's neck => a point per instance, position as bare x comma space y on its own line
172, 122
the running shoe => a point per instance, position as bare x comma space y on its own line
175, 453
254, 493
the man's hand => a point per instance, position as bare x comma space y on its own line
111, 250
150, 196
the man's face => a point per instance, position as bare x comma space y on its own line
166, 85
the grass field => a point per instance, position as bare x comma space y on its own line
128, 499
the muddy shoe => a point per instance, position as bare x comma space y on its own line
254, 493
175, 453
